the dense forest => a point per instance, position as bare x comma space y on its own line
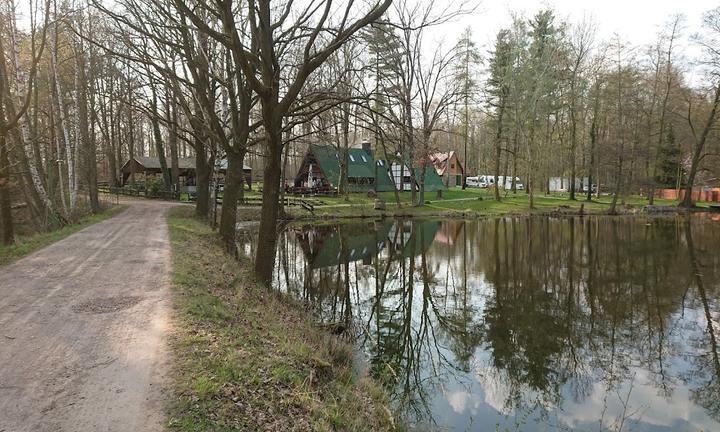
85, 86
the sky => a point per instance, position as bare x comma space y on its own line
636, 21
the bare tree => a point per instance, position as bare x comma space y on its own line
264, 70
10, 116
581, 41
711, 44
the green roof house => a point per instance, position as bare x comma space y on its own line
433, 182
320, 171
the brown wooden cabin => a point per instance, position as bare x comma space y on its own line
150, 166
448, 164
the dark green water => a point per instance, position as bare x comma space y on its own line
529, 324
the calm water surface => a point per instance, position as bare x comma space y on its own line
527, 324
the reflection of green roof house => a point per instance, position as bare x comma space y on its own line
411, 238
321, 169
329, 246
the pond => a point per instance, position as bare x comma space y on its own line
527, 324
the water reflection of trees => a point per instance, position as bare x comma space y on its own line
580, 301
706, 370
559, 305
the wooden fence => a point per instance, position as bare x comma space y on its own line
698, 194
174, 196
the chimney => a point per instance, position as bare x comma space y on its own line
366, 147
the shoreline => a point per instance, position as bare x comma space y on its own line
247, 357
420, 213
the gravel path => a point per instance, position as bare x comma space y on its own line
83, 326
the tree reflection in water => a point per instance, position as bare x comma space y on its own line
524, 323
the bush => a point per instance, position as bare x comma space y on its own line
155, 186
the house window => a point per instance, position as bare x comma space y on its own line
452, 166
380, 163
352, 158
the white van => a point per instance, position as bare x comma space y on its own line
507, 183
472, 182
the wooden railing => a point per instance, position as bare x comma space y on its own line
287, 201
138, 192
247, 201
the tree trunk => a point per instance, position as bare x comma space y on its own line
593, 140
621, 139
618, 182
173, 143
267, 235
159, 147
573, 136
421, 199
234, 180
87, 146
203, 171
8, 233
131, 132
591, 165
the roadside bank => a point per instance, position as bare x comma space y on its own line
250, 359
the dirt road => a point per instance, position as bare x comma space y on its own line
83, 326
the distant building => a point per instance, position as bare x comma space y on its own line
562, 184
320, 172
150, 167
448, 166
402, 176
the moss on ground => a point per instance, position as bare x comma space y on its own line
26, 245
249, 359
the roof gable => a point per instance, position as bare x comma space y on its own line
361, 164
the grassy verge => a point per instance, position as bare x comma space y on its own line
467, 204
247, 359
26, 245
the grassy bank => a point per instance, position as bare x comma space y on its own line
467, 203
26, 245
247, 359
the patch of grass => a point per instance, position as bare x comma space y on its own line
249, 359
26, 245
472, 202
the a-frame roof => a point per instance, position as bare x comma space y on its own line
361, 164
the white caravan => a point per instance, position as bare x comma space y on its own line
504, 182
